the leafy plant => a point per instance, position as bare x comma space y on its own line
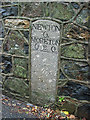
46, 105
61, 99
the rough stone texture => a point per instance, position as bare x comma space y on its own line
2, 78
74, 51
44, 59
15, 44
6, 64
2, 31
16, 85
8, 11
75, 70
73, 31
32, 9
75, 90
0, 96
84, 111
69, 106
17, 23
1, 45
21, 67
61, 11
83, 17
53, 9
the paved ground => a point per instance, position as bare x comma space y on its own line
13, 109
16, 109
9, 112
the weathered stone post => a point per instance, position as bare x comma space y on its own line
45, 39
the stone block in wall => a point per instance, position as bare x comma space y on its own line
17, 23
75, 90
69, 106
5, 64
16, 85
15, 43
1, 41
0, 82
2, 30
53, 9
10, 10
84, 111
83, 17
21, 67
2, 79
74, 51
76, 70
75, 32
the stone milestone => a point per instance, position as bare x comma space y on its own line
44, 60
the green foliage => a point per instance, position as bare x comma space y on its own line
61, 99
46, 105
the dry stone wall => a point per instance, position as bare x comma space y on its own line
73, 61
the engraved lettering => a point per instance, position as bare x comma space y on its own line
53, 28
